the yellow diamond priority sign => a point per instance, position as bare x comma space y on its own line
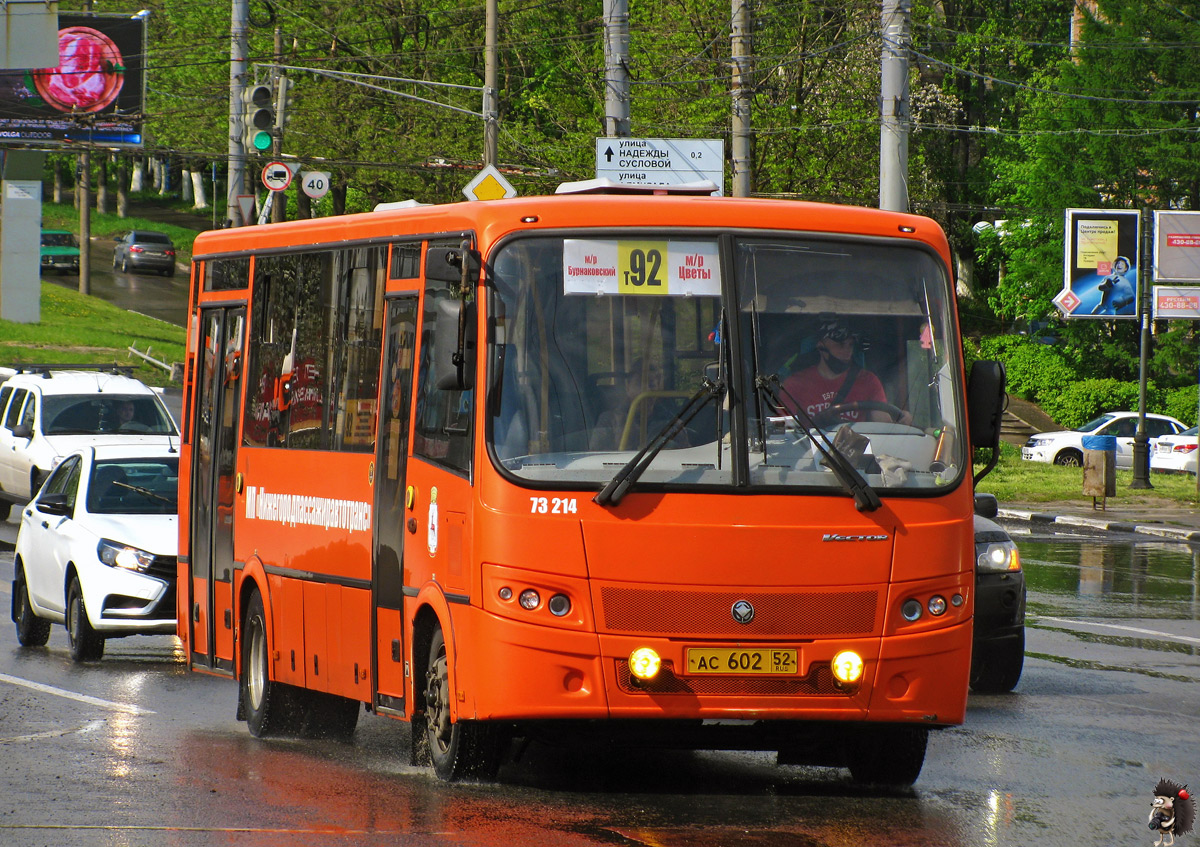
489, 184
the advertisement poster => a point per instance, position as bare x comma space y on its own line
1101, 264
1177, 246
95, 94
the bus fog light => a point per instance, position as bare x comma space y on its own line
937, 605
644, 663
559, 605
529, 599
911, 610
505, 593
847, 667
957, 600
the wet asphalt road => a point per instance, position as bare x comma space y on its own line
135, 750
150, 294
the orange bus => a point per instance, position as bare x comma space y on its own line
549, 468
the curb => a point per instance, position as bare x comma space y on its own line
1102, 524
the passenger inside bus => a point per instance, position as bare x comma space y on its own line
643, 410
833, 387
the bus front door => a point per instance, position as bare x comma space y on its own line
387, 624
214, 462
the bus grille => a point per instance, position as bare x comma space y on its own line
676, 613
819, 681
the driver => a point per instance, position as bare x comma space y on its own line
836, 379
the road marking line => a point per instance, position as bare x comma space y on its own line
53, 733
127, 708
1162, 636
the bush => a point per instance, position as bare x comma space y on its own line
1181, 403
1080, 401
1033, 368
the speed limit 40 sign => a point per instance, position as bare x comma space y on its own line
315, 184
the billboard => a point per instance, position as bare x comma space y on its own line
1177, 246
1100, 277
95, 94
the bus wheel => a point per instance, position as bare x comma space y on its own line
86, 644
266, 704
32, 631
887, 755
459, 749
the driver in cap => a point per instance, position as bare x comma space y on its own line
836, 380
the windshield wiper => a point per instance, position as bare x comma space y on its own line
145, 492
613, 493
865, 497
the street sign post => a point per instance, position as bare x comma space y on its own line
661, 161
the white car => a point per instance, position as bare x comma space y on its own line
1175, 453
46, 413
1066, 447
97, 549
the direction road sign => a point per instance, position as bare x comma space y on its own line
277, 176
661, 161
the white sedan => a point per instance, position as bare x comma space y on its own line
1175, 453
1066, 447
97, 549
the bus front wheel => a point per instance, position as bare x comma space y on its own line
459, 749
264, 702
887, 755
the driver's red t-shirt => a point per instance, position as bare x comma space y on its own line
815, 393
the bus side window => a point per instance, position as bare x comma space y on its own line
443, 431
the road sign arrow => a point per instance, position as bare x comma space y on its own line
608, 154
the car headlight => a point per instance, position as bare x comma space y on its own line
997, 556
117, 555
1037, 442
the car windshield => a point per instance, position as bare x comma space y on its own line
58, 239
1095, 424
590, 363
92, 414
135, 486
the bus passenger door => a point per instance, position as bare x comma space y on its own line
391, 451
214, 462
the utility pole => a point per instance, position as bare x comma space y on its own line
279, 209
894, 113
239, 21
84, 187
616, 68
741, 54
491, 129
1141, 441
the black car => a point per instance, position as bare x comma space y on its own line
998, 652
144, 250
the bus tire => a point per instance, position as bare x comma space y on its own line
268, 708
890, 755
459, 749
86, 644
32, 631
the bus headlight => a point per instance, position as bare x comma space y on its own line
847, 667
644, 663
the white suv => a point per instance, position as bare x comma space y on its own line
1066, 448
47, 413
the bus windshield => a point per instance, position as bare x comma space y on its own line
801, 344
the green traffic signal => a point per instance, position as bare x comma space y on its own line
260, 140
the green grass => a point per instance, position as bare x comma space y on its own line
76, 328
1016, 481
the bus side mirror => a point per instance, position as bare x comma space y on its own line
445, 264
454, 346
986, 401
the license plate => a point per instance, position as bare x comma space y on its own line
741, 661
1026, 454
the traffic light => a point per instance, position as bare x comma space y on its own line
258, 118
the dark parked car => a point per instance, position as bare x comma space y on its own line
59, 251
998, 654
143, 250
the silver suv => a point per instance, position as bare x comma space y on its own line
47, 412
